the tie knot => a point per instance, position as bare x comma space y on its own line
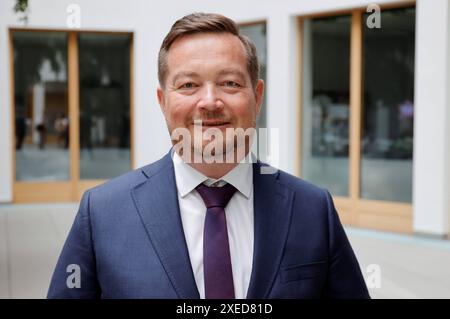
216, 196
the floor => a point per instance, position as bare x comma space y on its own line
395, 266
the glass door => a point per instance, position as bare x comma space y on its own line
71, 111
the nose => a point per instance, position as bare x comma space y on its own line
209, 99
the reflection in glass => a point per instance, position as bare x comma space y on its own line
325, 104
257, 33
41, 106
104, 62
387, 139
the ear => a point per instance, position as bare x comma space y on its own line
259, 93
161, 99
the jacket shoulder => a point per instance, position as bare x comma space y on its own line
299, 185
131, 179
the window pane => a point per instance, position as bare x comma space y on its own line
257, 33
387, 139
104, 105
41, 106
325, 104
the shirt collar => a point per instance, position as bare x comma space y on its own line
188, 178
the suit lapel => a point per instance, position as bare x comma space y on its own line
272, 214
157, 204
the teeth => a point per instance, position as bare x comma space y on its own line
211, 124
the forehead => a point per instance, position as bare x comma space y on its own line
206, 51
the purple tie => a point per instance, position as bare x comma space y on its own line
216, 250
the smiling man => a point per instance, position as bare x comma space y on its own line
205, 221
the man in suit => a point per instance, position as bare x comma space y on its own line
187, 228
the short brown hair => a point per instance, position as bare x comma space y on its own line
208, 23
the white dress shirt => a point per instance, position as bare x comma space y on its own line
239, 215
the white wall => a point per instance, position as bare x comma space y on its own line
151, 20
431, 178
5, 130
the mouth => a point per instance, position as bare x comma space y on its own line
217, 124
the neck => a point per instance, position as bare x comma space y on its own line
216, 170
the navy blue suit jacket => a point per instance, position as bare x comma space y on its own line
128, 241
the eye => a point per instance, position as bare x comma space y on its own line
188, 85
231, 84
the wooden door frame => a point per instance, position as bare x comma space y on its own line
354, 210
72, 189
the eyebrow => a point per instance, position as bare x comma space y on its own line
232, 72
183, 74
223, 72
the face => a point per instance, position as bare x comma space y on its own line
208, 80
